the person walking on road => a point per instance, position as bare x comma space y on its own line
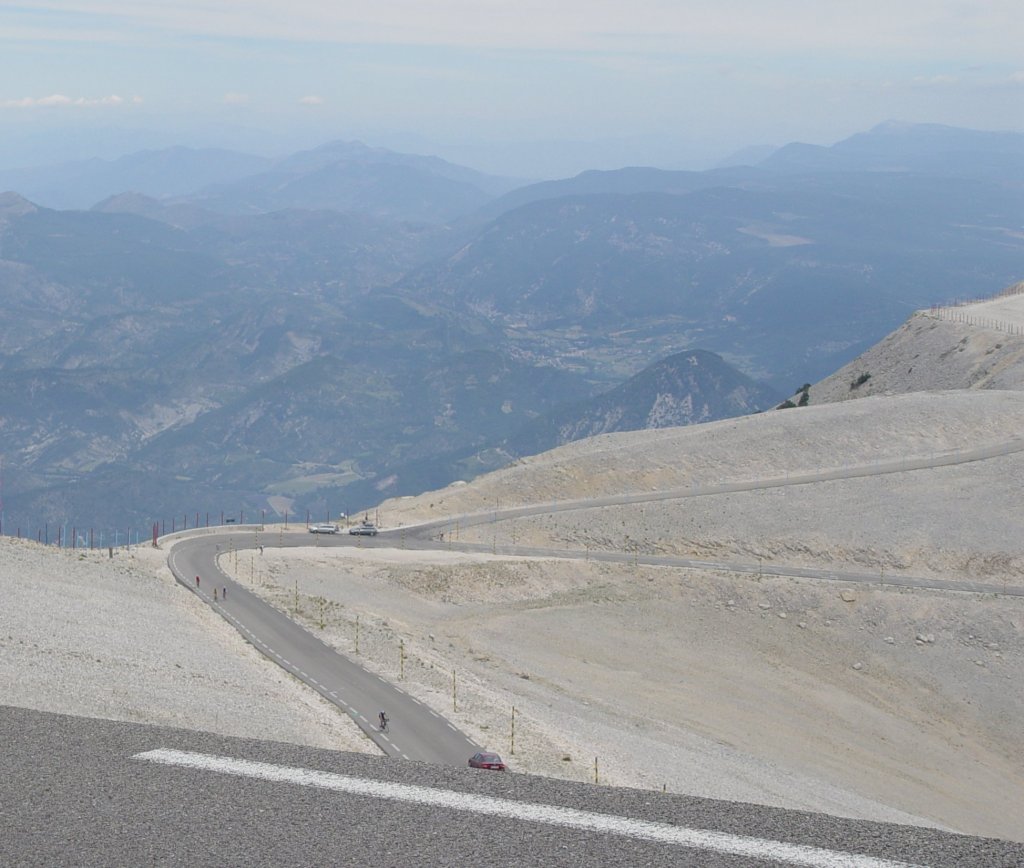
215, 595
224, 593
197, 581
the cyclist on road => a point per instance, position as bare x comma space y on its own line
383, 722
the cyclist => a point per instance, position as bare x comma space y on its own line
383, 722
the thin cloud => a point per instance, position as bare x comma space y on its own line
232, 98
59, 100
928, 26
312, 99
935, 80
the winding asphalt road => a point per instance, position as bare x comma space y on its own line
426, 535
416, 731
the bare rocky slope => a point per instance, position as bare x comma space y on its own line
863, 699
979, 345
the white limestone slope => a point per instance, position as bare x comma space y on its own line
865, 700
117, 638
970, 346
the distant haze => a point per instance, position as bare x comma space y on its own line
530, 90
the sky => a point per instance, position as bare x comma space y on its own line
502, 86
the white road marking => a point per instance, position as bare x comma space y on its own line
555, 815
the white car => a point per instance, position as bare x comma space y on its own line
323, 528
364, 529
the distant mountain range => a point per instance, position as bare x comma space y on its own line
929, 149
347, 323
787, 278
348, 176
342, 176
167, 172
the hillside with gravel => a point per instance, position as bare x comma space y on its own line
978, 345
859, 698
118, 638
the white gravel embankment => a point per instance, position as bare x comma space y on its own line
117, 638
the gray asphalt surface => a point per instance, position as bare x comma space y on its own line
72, 792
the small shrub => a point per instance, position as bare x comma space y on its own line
860, 381
785, 405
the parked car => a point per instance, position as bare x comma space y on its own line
323, 528
485, 760
364, 529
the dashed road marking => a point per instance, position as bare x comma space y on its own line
555, 815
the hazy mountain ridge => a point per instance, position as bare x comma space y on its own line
319, 356
781, 281
342, 176
922, 148
684, 389
889, 148
351, 177
158, 173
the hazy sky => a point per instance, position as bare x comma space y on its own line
674, 77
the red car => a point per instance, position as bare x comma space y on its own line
487, 761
